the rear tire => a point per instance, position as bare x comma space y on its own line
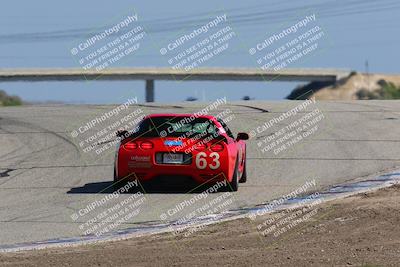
243, 179
234, 185
117, 184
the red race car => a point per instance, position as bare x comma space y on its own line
200, 147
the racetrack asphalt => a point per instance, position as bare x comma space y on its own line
46, 177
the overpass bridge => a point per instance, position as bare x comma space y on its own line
151, 74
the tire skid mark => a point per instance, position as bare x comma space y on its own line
13, 176
31, 126
25, 155
35, 151
252, 107
6, 173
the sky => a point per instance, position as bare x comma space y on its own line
42, 33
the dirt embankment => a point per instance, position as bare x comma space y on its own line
362, 230
347, 88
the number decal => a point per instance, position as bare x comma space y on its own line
201, 162
215, 157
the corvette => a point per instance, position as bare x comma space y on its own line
202, 148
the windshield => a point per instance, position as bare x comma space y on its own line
176, 126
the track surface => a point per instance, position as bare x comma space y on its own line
45, 177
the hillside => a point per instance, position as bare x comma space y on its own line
355, 86
7, 100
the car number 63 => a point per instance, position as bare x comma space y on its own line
201, 162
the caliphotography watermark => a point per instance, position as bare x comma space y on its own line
188, 138
280, 219
108, 46
300, 122
286, 220
287, 46
188, 119
107, 213
98, 134
307, 186
195, 213
196, 47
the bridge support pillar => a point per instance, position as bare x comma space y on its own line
149, 90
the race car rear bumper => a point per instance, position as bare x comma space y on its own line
171, 171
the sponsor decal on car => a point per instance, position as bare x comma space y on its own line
173, 142
140, 158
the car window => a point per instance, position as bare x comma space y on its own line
226, 128
176, 126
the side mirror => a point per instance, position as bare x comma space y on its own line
242, 136
121, 133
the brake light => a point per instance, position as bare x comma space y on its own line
217, 147
130, 145
146, 145
200, 146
